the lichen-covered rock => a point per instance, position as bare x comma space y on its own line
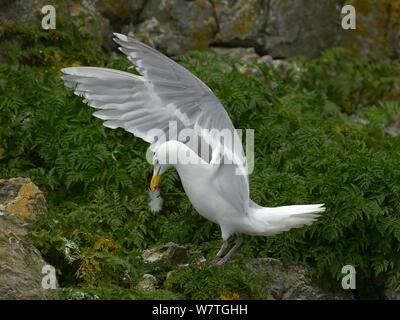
280, 28
120, 11
83, 15
306, 27
378, 29
171, 252
175, 26
88, 20
301, 27
21, 197
241, 22
26, 11
291, 281
20, 263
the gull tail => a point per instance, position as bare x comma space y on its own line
271, 221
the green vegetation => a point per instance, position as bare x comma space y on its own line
311, 146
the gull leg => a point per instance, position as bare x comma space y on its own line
223, 248
231, 252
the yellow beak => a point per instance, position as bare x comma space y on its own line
155, 181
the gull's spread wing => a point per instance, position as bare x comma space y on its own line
165, 91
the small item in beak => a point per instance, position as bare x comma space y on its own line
155, 181
155, 201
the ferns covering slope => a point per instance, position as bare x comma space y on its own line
322, 135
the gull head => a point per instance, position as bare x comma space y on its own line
158, 170
170, 154
160, 165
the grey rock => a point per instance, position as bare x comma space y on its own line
300, 27
280, 28
120, 11
170, 252
20, 10
359, 119
148, 282
307, 27
392, 294
246, 55
21, 197
175, 26
82, 14
241, 22
378, 30
291, 281
20, 263
394, 128
267, 59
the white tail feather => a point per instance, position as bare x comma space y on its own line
270, 221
